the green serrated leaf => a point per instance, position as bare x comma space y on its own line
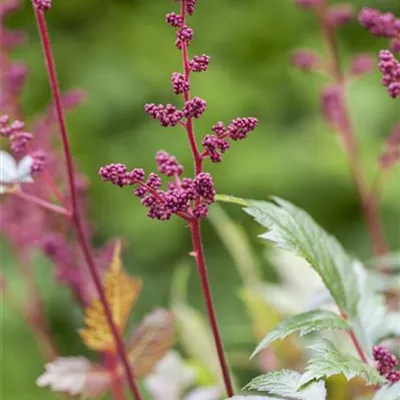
330, 361
388, 392
287, 383
305, 323
372, 322
294, 230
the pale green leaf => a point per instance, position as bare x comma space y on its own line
312, 321
330, 361
237, 243
387, 392
287, 383
292, 229
372, 323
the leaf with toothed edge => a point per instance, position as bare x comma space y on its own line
330, 361
312, 321
287, 383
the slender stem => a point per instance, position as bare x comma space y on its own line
369, 203
76, 219
355, 341
112, 366
41, 203
202, 269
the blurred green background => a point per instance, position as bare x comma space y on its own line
122, 53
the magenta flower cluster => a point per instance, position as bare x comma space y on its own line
184, 196
42, 5
188, 198
386, 363
390, 69
385, 25
382, 25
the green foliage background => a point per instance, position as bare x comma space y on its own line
122, 53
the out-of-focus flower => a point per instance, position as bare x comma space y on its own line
171, 379
13, 172
361, 64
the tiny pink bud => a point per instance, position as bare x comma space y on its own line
332, 105
42, 5
362, 63
306, 60
340, 14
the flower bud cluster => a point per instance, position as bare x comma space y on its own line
186, 197
15, 132
42, 5
390, 69
386, 363
216, 144
381, 25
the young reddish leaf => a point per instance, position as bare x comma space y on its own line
121, 292
151, 341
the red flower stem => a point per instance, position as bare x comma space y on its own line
368, 202
76, 219
111, 362
355, 341
202, 269
195, 229
41, 203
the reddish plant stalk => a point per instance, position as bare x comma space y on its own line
205, 285
355, 341
348, 139
111, 362
75, 214
195, 229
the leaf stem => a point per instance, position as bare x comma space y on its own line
75, 214
369, 203
205, 285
